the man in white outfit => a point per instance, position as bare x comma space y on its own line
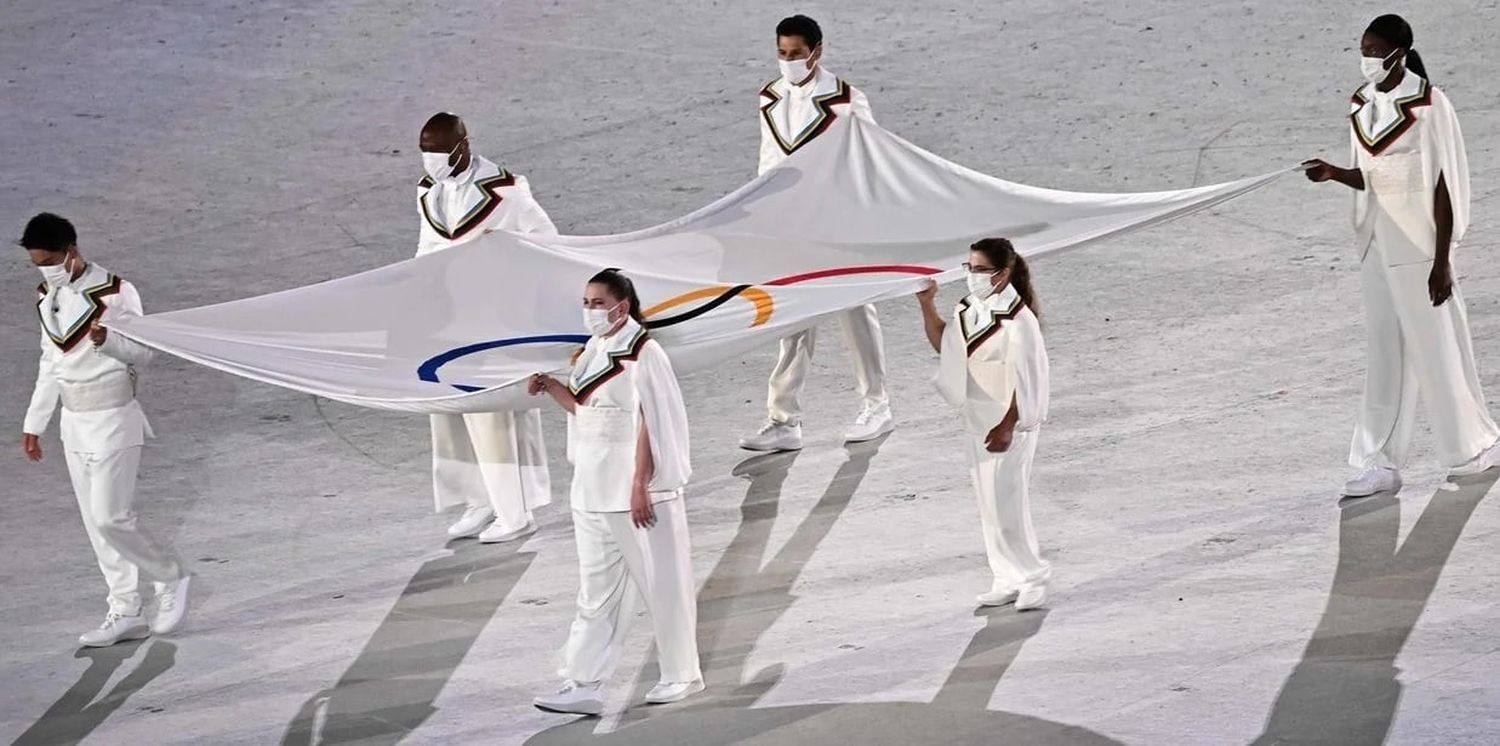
93, 374
794, 109
493, 463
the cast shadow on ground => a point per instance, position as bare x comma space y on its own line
77, 714
743, 598
390, 688
1345, 690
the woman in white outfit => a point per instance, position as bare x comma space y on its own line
628, 442
993, 367
1411, 206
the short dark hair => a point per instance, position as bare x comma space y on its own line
800, 25
48, 232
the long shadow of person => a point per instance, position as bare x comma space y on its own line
77, 713
742, 599
390, 688
1345, 689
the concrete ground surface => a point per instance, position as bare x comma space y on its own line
1210, 588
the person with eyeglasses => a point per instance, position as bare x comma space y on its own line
1411, 207
492, 463
993, 368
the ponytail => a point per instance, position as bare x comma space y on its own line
1003, 255
1414, 64
622, 289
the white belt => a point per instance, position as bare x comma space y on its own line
113, 392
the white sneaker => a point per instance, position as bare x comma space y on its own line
997, 596
495, 534
116, 628
1373, 480
870, 424
774, 436
573, 698
1488, 459
673, 691
171, 605
474, 520
1032, 597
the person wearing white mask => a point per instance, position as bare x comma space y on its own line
492, 463
628, 442
993, 367
795, 109
93, 374
1411, 208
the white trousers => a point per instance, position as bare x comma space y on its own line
1001, 482
1415, 349
862, 336
494, 458
617, 564
104, 484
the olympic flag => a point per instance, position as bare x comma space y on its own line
858, 215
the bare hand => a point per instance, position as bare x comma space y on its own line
998, 441
642, 512
1318, 170
32, 445
538, 383
98, 334
928, 293
1440, 283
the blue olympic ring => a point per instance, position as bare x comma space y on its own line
428, 371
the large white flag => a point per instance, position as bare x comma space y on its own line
856, 216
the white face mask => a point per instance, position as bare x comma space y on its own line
795, 71
436, 165
1373, 68
57, 275
596, 320
981, 284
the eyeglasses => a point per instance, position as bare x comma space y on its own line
973, 270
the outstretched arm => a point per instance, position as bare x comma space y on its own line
932, 322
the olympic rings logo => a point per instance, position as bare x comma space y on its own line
760, 300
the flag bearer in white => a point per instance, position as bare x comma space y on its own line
794, 109
493, 463
628, 441
1411, 207
993, 367
93, 374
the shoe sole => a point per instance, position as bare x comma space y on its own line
770, 449
467, 534
867, 438
1392, 490
508, 537
592, 712
128, 637
678, 698
992, 604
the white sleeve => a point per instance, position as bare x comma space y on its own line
119, 346
1444, 149
427, 240
770, 152
44, 396
859, 105
531, 218
1032, 384
665, 418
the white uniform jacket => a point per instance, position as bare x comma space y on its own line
623, 383
481, 199
1403, 140
792, 116
992, 352
96, 385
